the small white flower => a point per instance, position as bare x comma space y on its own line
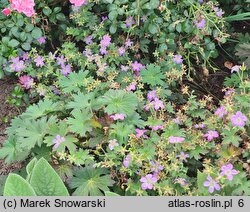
235, 68
112, 144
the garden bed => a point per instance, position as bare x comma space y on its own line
117, 97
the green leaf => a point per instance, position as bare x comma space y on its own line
29, 27
153, 28
45, 180
61, 129
20, 20
17, 186
81, 102
10, 151
152, 75
30, 167
47, 11
201, 178
121, 131
15, 32
243, 51
90, 181
13, 43
36, 33
23, 36
42, 108
119, 101
60, 17
112, 15
32, 132
81, 123
26, 46
81, 157
113, 29
230, 136
75, 81
110, 194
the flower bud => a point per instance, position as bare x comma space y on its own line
6, 11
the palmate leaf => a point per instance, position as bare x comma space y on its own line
32, 132
135, 119
230, 136
81, 102
61, 129
74, 81
121, 131
10, 152
80, 123
42, 108
152, 75
82, 157
90, 181
119, 101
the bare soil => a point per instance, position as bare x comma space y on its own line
9, 111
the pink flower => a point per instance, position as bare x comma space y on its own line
78, 3
41, 40
148, 181
129, 21
6, 11
221, 111
181, 181
118, 116
201, 24
238, 119
157, 127
140, 133
121, 50
106, 41
182, 156
24, 6
57, 141
112, 144
151, 95
173, 139
178, 59
131, 87
211, 184
26, 81
158, 104
126, 161
211, 134
228, 171
136, 66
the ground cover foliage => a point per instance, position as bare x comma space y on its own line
114, 105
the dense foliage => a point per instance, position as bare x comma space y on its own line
112, 111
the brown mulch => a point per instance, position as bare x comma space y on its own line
9, 111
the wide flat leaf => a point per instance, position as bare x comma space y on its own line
45, 180
17, 186
10, 151
30, 167
81, 123
119, 101
110, 194
32, 132
40, 109
91, 182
